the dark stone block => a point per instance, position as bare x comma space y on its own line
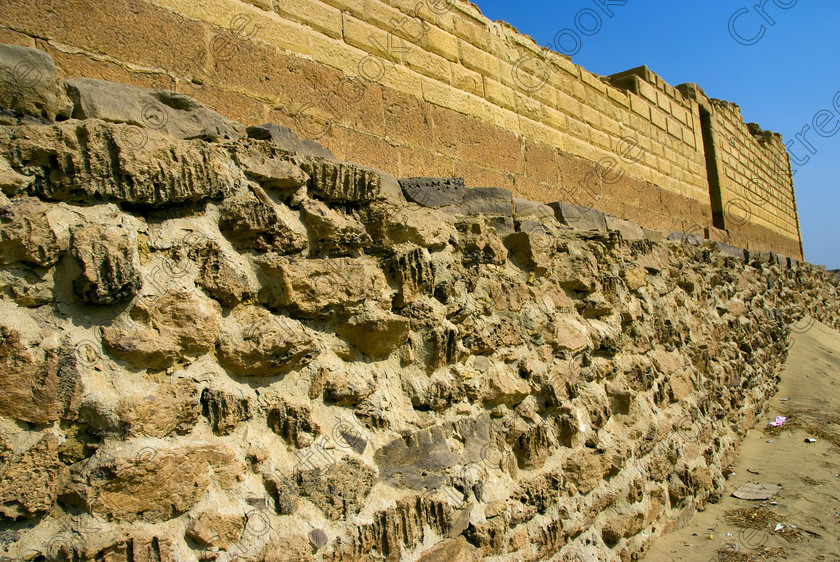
434, 192
288, 140
579, 218
683, 238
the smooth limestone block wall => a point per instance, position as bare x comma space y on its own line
750, 188
414, 88
756, 185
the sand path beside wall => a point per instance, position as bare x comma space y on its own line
809, 473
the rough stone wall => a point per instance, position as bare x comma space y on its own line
222, 344
429, 88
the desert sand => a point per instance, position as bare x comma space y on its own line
808, 505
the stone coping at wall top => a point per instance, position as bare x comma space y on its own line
180, 116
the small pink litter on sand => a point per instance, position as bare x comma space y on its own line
778, 422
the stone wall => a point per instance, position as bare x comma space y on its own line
755, 182
219, 343
429, 88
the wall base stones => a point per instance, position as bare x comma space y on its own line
239, 351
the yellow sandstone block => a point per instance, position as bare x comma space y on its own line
315, 14
539, 132
467, 80
428, 64
499, 94
591, 80
506, 119
442, 43
658, 119
373, 41
354, 7
266, 27
591, 116
478, 60
663, 102
554, 118
640, 106
443, 95
336, 53
390, 19
402, 79
528, 107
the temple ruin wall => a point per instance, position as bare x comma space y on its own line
435, 88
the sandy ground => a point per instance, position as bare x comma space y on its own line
808, 504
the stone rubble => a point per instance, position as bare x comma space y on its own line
225, 344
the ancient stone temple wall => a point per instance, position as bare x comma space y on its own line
433, 88
220, 342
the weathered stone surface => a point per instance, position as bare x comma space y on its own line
174, 114
374, 332
422, 459
333, 233
288, 140
527, 250
110, 264
406, 522
40, 381
29, 83
225, 411
348, 387
479, 241
28, 287
113, 545
623, 526
29, 233
451, 550
287, 548
162, 329
224, 274
211, 528
257, 222
524, 209
434, 192
440, 391
340, 182
485, 201
579, 218
97, 161
414, 273
29, 478
653, 235
533, 411
172, 408
291, 421
12, 182
410, 223
503, 387
323, 287
151, 483
568, 334
628, 229
253, 342
584, 470
683, 238
338, 490
533, 446
283, 137
271, 173
635, 278
731, 250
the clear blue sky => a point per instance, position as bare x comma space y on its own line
780, 82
